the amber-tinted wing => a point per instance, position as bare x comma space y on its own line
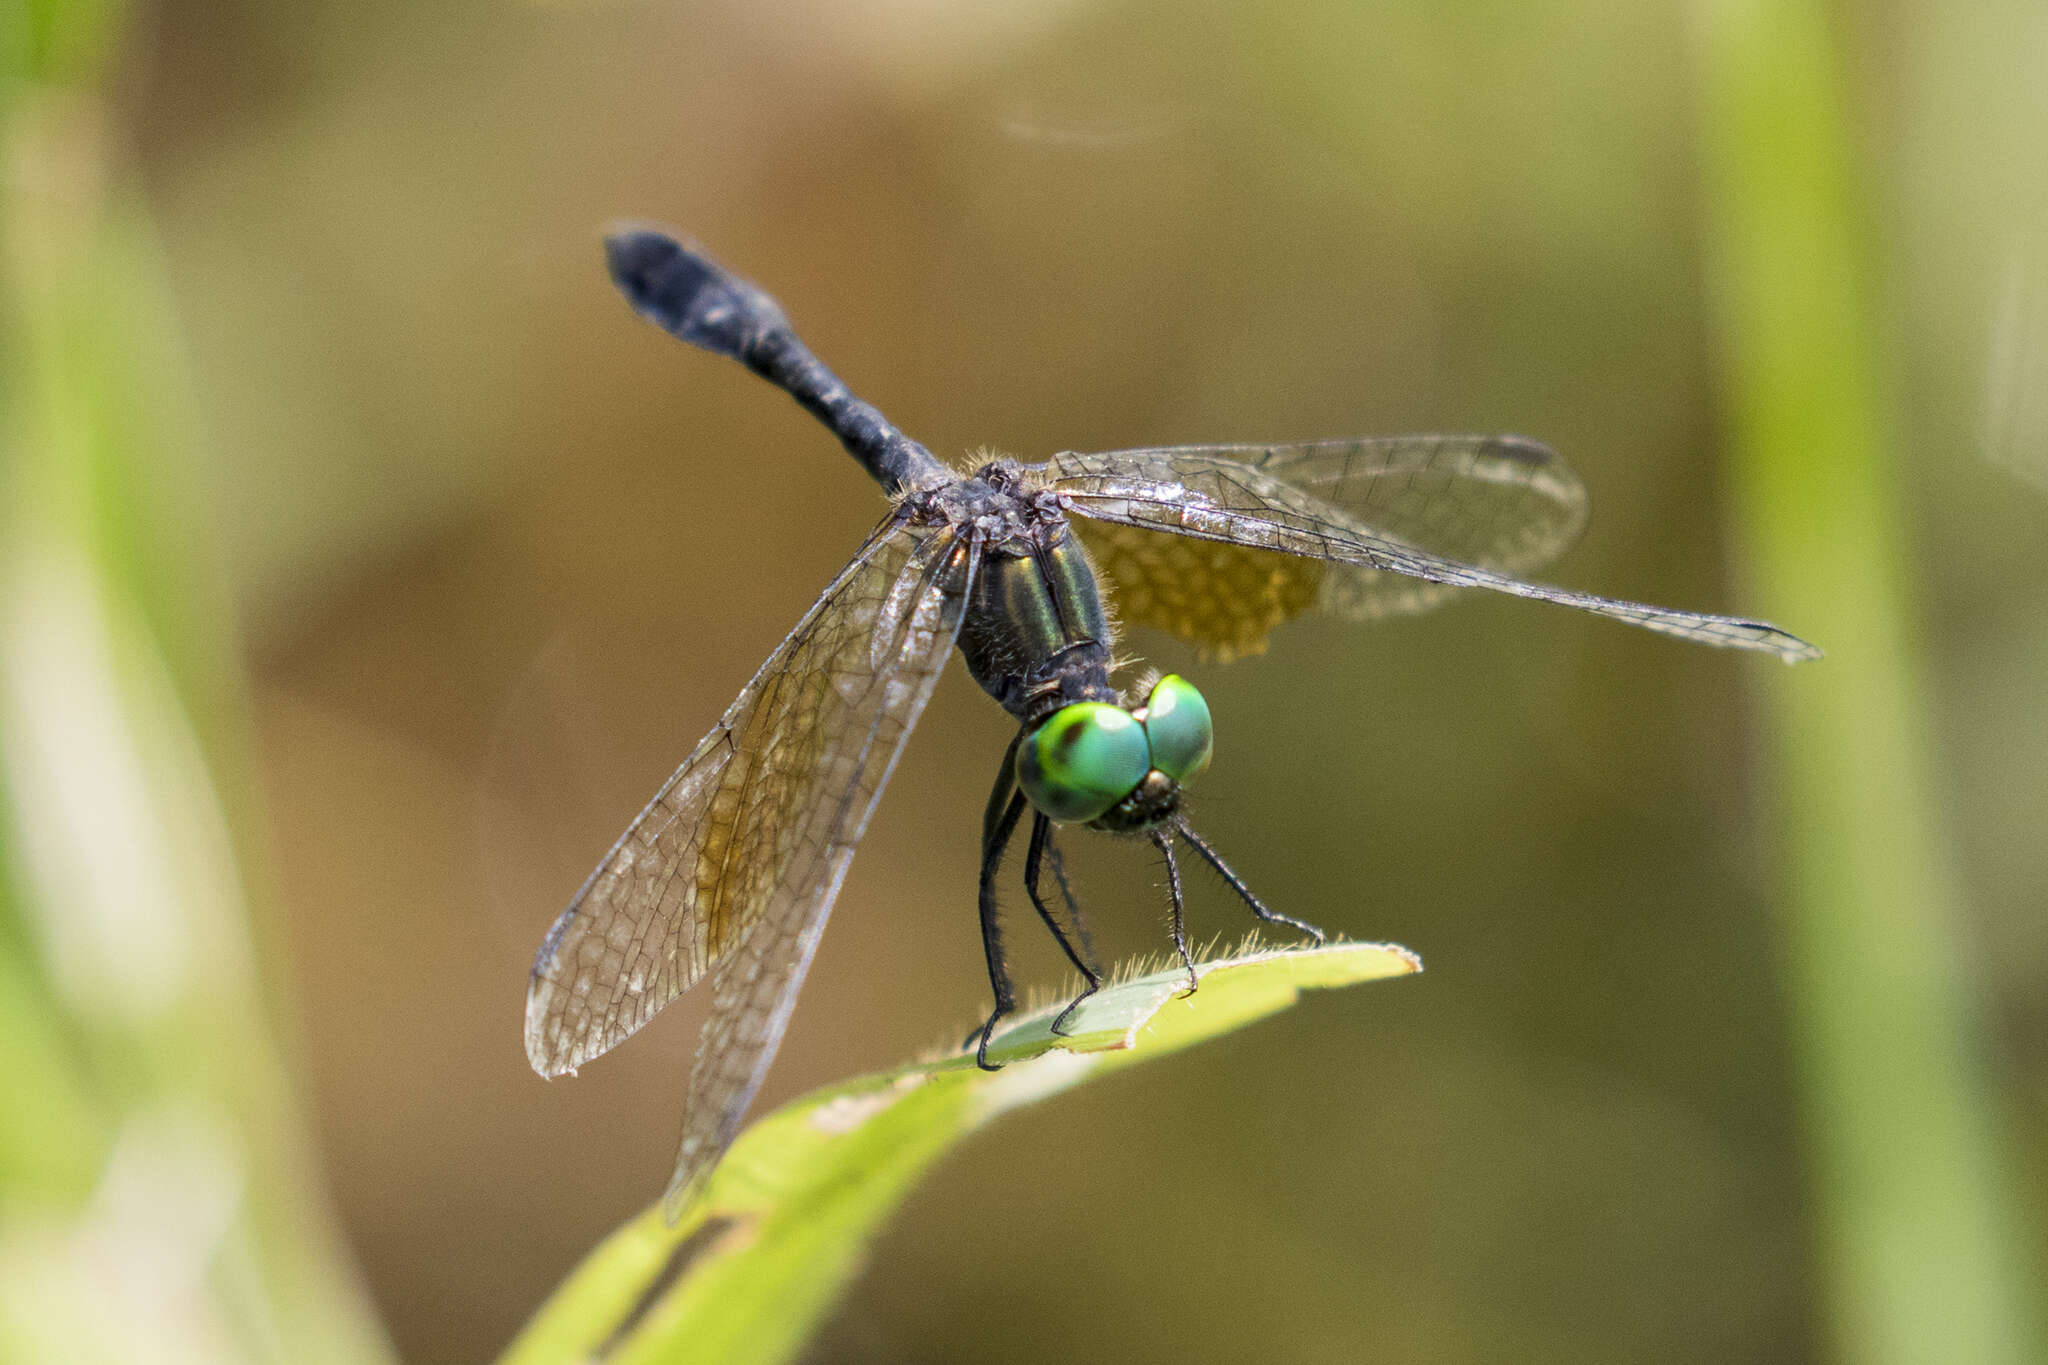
1438, 521
1494, 502
732, 869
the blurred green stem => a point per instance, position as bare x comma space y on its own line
1924, 1256
157, 1199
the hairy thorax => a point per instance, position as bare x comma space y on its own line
1035, 634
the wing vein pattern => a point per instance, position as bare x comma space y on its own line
1372, 527
732, 869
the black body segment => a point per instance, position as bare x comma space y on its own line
691, 297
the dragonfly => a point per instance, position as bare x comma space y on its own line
732, 869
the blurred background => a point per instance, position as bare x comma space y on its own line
365, 566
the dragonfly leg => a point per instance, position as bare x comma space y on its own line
1215, 860
1179, 923
999, 800
995, 839
1041, 838
1059, 875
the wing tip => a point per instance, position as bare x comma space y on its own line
545, 1049
1777, 640
1794, 650
684, 1188
1524, 449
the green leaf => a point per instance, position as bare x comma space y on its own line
753, 1263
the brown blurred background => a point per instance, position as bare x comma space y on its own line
499, 553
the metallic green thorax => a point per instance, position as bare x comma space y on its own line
1035, 635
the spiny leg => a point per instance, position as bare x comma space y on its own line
999, 802
1041, 836
994, 840
1179, 923
1059, 875
1215, 860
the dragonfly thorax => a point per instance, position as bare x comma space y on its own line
1121, 770
1034, 632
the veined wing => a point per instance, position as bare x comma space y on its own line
1208, 495
1494, 502
755, 988
734, 865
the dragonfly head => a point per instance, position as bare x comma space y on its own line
1119, 770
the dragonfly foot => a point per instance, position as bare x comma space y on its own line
1059, 1021
984, 1033
1313, 934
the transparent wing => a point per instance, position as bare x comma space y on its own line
732, 868
1209, 495
1493, 502
755, 989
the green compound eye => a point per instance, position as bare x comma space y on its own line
1177, 726
1084, 759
